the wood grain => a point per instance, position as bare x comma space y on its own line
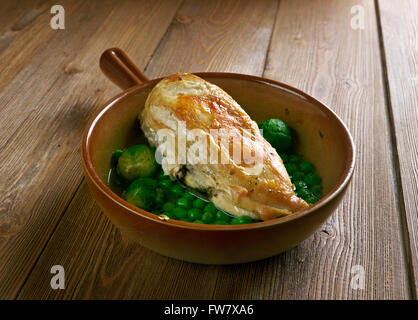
27, 34
45, 109
400, 44
99, 262
201, 35
14, 11
315, 49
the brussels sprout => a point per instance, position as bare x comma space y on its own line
277, 133
141, 193
136, 162
159, 197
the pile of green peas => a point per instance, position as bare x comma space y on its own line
184, 206
302, 174
155, 192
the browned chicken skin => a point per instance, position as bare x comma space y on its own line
262, 192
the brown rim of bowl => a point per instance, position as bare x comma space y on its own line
342, 182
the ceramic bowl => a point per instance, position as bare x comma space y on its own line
322, 138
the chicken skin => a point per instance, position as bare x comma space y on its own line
221, 152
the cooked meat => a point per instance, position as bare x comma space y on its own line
262, 191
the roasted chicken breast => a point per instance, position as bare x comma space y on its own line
261, 190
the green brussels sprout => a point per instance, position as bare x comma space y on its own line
159, 197
136, 162
277, 133
141, 193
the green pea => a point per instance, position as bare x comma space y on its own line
244, 220
294, 159
220, 215
316, 190
115, 156
199, 203
176, 190
306, 167
165, 183
300, 184
171, 215
208, 217
168, 206
194, 214
311, 200
241, 220
298, 175
303, 193
235, 220
210, 207
312, 179
221, 222
180, 212
183, 202
285, 157
189, 196
291, 168
198, 221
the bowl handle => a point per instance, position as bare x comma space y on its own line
120, 69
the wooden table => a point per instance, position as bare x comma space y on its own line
50, 84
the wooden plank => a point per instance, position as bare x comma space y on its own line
14, 12
26, 34
315, 49
202, 33
46, 107
98, 261
400, 39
